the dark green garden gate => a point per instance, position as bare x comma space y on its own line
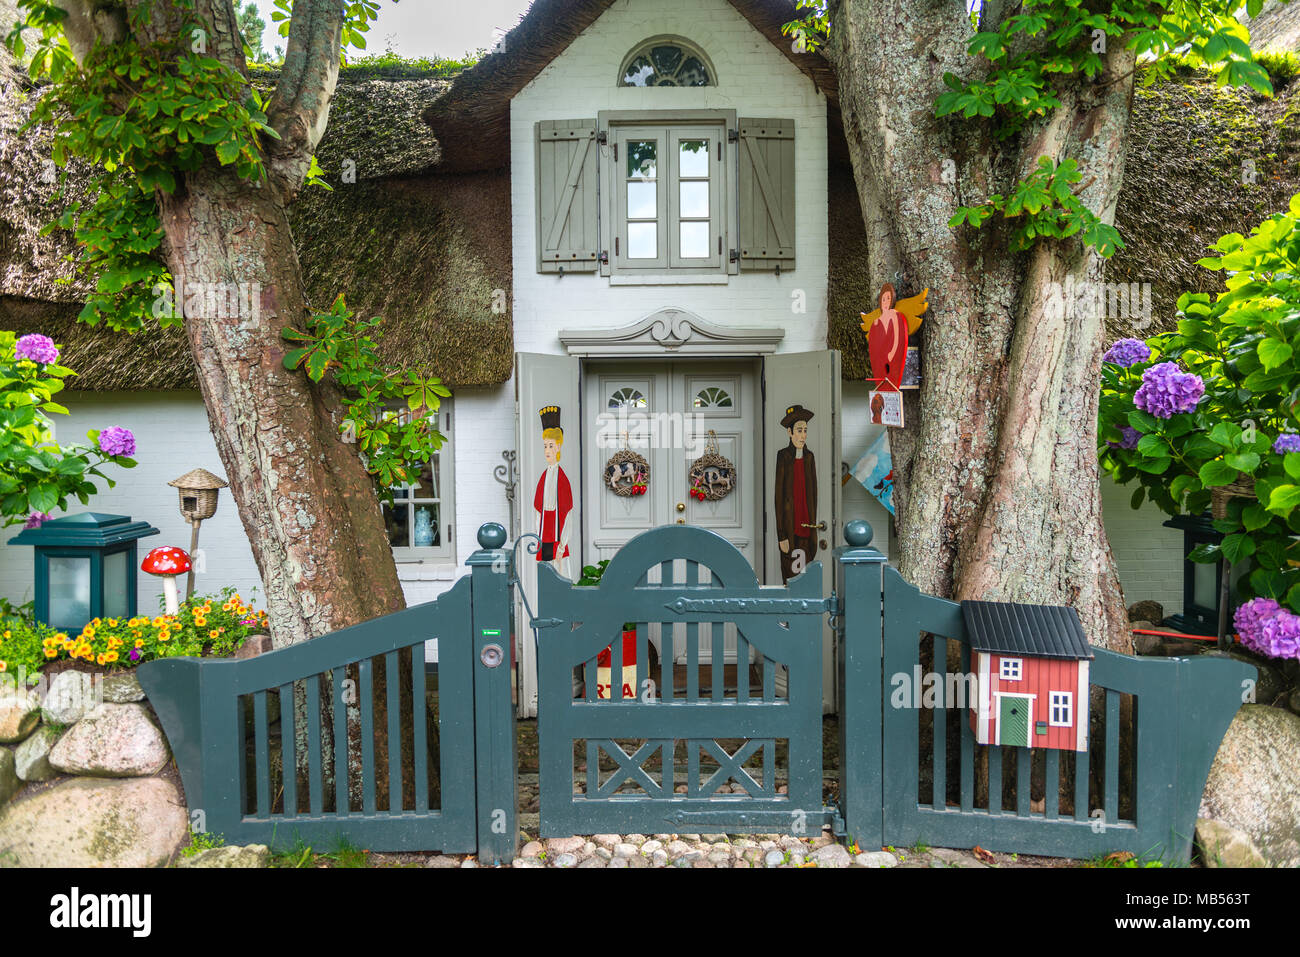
704, 744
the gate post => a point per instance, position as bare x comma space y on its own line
491, 621
859, 583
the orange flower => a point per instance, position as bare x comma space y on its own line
3, 666
213, 633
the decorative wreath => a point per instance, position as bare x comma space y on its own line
712, 476
627, 473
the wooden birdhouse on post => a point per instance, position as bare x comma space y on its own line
1031, 675
198, 493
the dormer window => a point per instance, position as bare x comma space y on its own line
667, 61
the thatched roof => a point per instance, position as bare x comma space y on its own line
473, 120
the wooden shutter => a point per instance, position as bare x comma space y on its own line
566, 196
767, 220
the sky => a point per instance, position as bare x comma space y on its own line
425, 28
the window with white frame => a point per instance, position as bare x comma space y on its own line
1062, 709
1010, 669
420, 519
669, 209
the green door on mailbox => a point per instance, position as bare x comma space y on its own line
1013, 721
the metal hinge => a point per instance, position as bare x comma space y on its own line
604, 256
733, 136
539, 623
754, 606
735, 255
602, 137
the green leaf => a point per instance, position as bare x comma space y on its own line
1284, 499
1237, 547
1273, 353
1155, 466
1268, 582
1153, 445
1217, 473
1291, 462
1138, 496
1243, 462
1255, 516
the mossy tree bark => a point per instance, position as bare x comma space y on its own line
997, 492
304, 497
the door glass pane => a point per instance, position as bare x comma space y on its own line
695, 240
115, 575
642, 200
428, 482
642, 159
694, 157
642, 241
695, 200
69, 592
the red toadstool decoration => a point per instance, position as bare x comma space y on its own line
167, 562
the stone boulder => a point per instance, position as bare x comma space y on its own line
254, 855
72, 695
1254, 784
1150, 611
32, 757
122, 688
1224, 846
93, 823
113, 741
9, 782
20, 713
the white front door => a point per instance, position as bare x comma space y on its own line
667, 410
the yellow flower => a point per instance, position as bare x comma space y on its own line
139, 642
8, 633
110, 657
164, 635
3, 666
112, 622
51, 653
99, 659
226, 606
96, 623
200, 621
213, 633
88, 632
159, 621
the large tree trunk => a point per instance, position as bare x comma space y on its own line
305, 499
998, 490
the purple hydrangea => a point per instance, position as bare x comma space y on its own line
36, 519
37, 348
1129, 438
1287, 442
1267, 628
1127, 352
116, 440
1167, 390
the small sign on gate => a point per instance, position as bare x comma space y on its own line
604, 666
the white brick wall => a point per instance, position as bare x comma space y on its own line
1149, 557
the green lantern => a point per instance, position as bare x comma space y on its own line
85, 567
1202, 583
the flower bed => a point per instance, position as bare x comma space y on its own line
205, 626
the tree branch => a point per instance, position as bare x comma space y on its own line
299, 108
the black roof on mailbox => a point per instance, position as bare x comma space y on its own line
1035, 631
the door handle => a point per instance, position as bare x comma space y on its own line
820, 526
681, 506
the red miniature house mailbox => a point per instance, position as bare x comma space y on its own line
1031, 675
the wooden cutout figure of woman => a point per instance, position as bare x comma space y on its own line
887, 329
553, 502
796, 496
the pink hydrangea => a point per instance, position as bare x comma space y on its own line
1167, 390
36, 519
1267, 628
36, 348
116, 440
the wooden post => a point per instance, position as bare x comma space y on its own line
194, 544
858, 583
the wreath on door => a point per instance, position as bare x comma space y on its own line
627, 473
712, 476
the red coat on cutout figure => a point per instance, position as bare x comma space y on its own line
553, 502
887, 329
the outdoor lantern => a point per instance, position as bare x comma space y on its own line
1202, 583
198, 491
85, 567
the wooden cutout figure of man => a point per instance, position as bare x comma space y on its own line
553, 502
796, 496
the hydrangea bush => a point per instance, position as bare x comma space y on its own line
1216, 404
37, 474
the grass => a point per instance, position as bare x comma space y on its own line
200, 842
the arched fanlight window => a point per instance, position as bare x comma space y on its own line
667, 61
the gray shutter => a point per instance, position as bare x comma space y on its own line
566, 196
767, 220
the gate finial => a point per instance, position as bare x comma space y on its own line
858, 533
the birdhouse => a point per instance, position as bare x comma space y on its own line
85, 567
198, 492
1030, 664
